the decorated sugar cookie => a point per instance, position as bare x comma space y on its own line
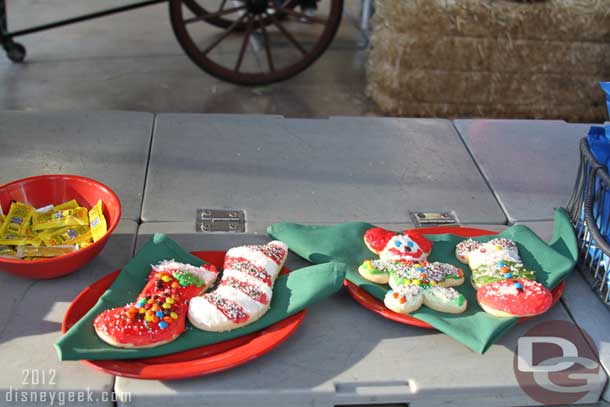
245, 290
377, 271
494, 251
404, 299
409, 246
424, 273
502, 270
514, 298
158, 314
445, 299
463, 249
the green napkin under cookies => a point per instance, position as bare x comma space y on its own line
475, 328
292, 293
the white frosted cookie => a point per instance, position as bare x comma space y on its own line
407, 247
244, 292
463, 249
445, 299
494, 251
404, 299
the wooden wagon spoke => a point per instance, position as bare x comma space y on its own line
266, 41
209, 16
244, 44
223, 36
288, 35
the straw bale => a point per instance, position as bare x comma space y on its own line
421, 63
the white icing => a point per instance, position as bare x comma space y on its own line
206, 316
401, 243
489, 253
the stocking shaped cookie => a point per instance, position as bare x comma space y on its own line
158, 314
409, 246
244, 292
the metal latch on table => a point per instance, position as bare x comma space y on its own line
434, 218
220, 220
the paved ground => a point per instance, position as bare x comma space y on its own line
133, 62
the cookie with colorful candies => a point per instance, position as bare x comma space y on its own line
158, 314
409, 246
376, 271
514, 298
502, 270
495, 250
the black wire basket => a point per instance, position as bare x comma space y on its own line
589, 210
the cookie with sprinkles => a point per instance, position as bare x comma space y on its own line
377, 271
244, 292
424, 273
392, 246
502, 270
158, 314
499, 249
515, 298
404, 299
445, 299
463, 249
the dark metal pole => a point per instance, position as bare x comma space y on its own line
8, 35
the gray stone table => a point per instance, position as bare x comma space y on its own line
344, 354
323, 171
31, 321
111, 147
530, 165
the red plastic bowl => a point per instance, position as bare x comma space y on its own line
45, 190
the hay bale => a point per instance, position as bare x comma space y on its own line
490, 58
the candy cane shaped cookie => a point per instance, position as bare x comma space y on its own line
244, 292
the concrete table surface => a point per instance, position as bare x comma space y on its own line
31, 323
530, 165
344, 354
320, 171
111, 147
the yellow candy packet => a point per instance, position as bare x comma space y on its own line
72, 204
7, 252
17, 220
97, 221
67, 236
55, 251
16, 240
53, 220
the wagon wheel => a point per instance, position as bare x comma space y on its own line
277, 39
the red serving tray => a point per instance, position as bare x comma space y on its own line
190, 363
373, 304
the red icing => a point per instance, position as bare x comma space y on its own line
245, 266
377, 238
534, 299
248, 289
408, 256
274, 252
118, 324
421, 241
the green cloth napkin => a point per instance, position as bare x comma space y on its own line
475, 328
292, 293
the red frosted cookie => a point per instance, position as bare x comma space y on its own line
409, 246
158, 314
377, 238
514, 298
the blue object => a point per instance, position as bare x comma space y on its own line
159, 314
162, 324
397, 243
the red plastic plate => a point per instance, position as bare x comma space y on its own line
190, 363
373, 304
